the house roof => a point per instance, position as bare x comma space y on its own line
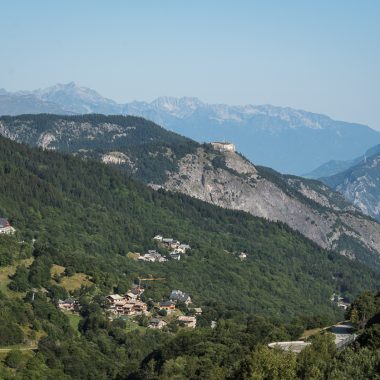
4, 222
131, 295
184, 318
115, 297
179, 296
167, 303
68, 301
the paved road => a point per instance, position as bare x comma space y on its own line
343, 337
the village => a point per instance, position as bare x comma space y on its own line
175, 249
177, 308
129, 306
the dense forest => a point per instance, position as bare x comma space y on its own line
88, 218
146, 152
151, 150
89, 212
98, 348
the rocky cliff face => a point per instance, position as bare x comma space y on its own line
360, 185
228, 180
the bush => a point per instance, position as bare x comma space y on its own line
163, 313
13, 359
69, 271
10, 333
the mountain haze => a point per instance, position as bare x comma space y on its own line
289, 140
334, 167
15, 104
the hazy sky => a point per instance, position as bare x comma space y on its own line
322, 56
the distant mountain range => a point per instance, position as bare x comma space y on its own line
289, 140
166, 160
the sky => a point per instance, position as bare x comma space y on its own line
321, 56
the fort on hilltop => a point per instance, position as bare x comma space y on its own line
223, 146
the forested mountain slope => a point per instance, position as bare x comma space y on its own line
86, 217
164, 159
93, 216
229, 180
84, 132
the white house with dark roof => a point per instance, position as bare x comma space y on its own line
179, 296
152, 256
5, 227
68, 304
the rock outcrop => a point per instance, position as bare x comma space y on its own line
228, 180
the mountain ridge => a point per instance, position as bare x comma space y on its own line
331, 168
48, 196
306, 206
163, 159
360, 184
302, 140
